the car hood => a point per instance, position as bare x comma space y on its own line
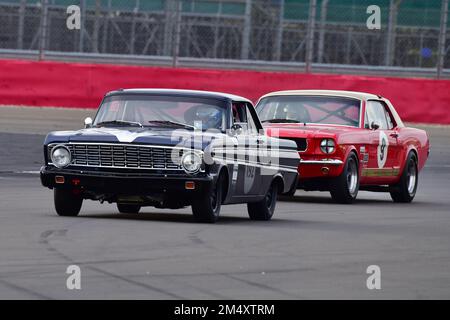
153, 136
299, 130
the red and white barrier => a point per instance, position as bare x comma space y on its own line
47, 83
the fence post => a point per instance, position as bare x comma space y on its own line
323, 20
96, 26
310, 35
176, 40
216, 31
279, 36
133, 27
43, 29
247, 29
392, 25
82, 20
168, 27
22, 7
105, 27
442, 36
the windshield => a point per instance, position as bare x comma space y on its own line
162, 111
310, 109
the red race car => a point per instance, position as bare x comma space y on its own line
348, 141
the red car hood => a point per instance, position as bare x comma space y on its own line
299, 130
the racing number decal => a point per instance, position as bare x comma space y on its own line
249, 178
382, 150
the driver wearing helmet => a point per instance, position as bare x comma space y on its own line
296, 112
205, 117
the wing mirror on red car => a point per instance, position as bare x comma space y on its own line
374, 125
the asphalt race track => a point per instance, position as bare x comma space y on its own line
311, 249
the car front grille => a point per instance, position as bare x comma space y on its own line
302, 143
124, 156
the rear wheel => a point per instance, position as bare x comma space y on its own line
345, 187
290, 193
293, 190
67, 203
207, 207
128, 208
264, 209
405, 189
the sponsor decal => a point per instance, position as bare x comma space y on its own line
364, 154
366, 158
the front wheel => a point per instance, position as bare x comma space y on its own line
345, 188
405, 190
67, 203
264, 209
206, 208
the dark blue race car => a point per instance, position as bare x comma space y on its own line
170, 149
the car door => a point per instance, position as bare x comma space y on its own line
248, 175
394, 155
383, 150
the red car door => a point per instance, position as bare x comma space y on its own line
383, 164
394, 155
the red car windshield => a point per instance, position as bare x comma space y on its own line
310, 109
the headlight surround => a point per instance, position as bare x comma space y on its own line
327, 146
61, 156
191, 162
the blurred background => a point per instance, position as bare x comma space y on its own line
328, 36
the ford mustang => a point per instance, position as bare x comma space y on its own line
348, 141
170, 149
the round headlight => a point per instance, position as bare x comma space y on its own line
327, 146
61, 156
191, 162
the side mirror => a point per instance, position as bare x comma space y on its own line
374, 126
236, 129
88, 122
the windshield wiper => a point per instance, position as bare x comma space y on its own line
281, 121
120, 122
171, 123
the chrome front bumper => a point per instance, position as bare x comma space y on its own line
329, 162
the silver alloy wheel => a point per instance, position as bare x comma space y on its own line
411, 177
352, 177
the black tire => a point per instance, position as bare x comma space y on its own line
128, 208
344, 189
291, 192
67, 204
263, 210
405, 190
206, 208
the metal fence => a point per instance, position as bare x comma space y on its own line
313, 33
